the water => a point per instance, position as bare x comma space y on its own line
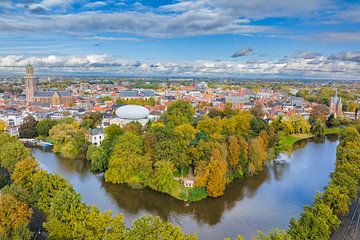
262, 202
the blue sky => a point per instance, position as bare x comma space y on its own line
240, 38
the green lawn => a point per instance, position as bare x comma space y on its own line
293, 138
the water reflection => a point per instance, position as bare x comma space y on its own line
258, 203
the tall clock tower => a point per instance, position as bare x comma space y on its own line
30, 83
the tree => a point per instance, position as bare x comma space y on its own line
44, 126
127, 164
105, 99
258, 111
163, 176
186, 132
153, 228
14, 218
318, 128
318, 112
24, 172
274, 234
234, 153
352, 106
201, 174
336, 199
244, 154
2, 126
97, 158
314, 223
11, 151
281, 143
91, 120
179, 112
134, 127
257, 155
69, 140
217, 170
28, 128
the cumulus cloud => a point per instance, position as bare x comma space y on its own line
183, 18
343, 66
307, 55
242, 52
46, 5
347, 56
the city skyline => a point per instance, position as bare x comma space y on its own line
204, 38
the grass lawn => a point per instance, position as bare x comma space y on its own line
293, 138
177, 190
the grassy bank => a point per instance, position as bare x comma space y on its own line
293, 138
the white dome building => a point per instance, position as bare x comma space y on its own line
131, 113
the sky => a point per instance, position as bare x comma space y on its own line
191, 38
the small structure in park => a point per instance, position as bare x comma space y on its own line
188, 183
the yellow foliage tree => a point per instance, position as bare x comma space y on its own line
2, 125
14, 214
217, 170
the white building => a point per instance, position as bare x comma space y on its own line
96, 136
131, 113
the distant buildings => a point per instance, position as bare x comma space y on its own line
336, 105
137, 94
43, 97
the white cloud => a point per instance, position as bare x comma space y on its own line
95, 4
331, 37
47, 5
343, 66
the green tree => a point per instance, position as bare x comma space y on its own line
179, 112
257, 155
69, 140
97, 158
44, 126
11, 151
28, 128
153, 228
163, 176
127, 164
318, 128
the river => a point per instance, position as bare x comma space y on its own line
265, 201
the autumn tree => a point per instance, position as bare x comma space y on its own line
217, 170
24, 172
14, 218
2, 126
234, 153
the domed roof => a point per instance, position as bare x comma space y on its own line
132, 112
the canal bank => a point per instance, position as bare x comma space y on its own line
261, 202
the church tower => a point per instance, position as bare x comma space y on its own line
30, 83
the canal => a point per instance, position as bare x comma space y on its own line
265, 201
